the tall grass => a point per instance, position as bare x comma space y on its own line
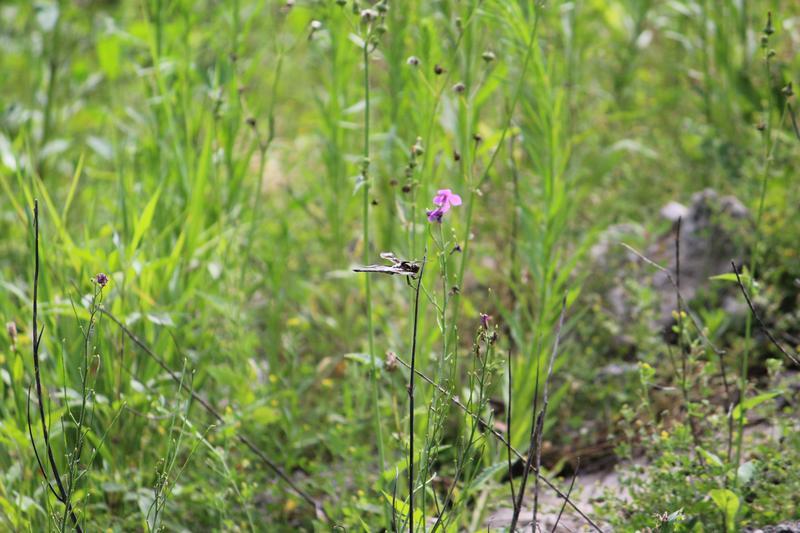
226, 163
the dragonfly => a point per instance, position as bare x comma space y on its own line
399, 267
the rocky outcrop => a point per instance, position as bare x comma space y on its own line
713, 232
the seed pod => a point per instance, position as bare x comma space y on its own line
768, 29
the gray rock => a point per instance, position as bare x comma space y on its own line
712, 230
710, 239
786, 527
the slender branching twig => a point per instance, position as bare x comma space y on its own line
61, 495
760, 322
569, 491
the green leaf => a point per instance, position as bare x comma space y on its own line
730, 276
487, 474
749, 403
18, 370
746, 472
108, 55
264, 415
401, 508
364, 359
711, 458
144, 221
728, 503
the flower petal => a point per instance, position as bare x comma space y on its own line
455, 199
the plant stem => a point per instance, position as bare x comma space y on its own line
744, 370
367, 279
37, 339
411, 398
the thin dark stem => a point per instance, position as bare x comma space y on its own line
36, 451
394, 502
545, 400
531, 445
760, 322
569, 491
508, 432
499, 436
277, 470
37, 339
411, 398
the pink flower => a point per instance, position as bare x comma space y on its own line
444, 199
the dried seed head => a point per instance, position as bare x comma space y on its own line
488, 56
391, 361
11, 328
417, 150
438, 69
413, 61
251, 122
788, 91
407, 188
456, 155
459, 88
477, 137
368, 15
393, 182
374, 201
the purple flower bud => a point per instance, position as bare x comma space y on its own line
485, 319
101, 279
435, 215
